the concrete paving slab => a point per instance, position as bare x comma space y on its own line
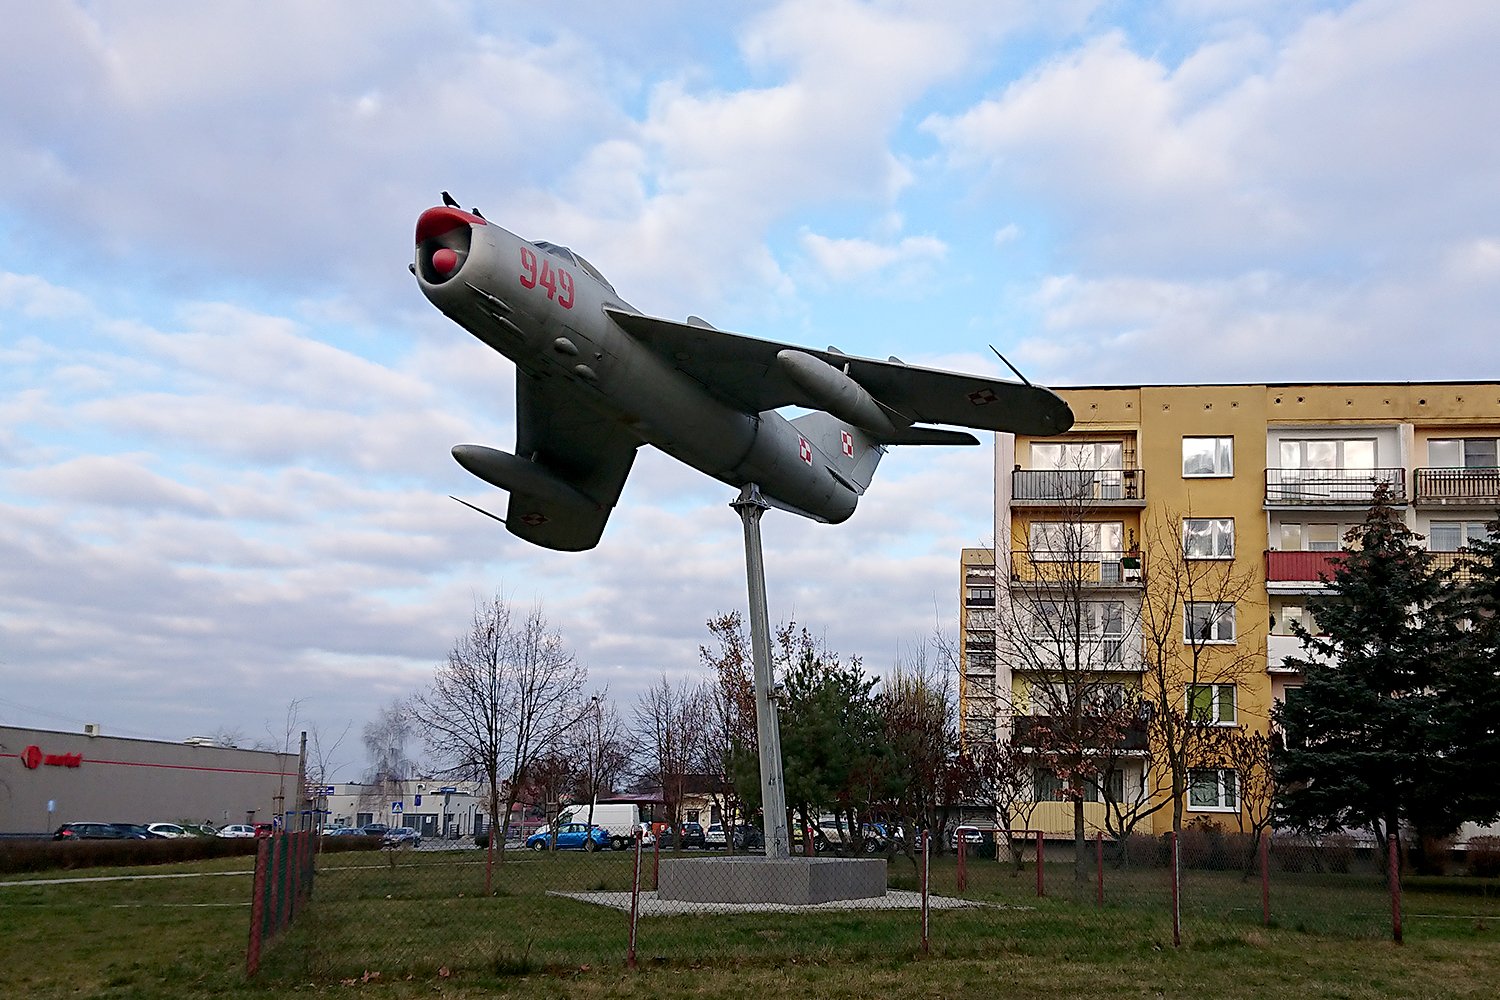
652, 905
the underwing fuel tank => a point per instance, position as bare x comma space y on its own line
517, 475
829, 389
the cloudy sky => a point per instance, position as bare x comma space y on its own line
226, 410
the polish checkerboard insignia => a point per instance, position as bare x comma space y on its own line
982, 397
804, 450
846, 443
534, 519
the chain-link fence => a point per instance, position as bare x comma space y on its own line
441, 909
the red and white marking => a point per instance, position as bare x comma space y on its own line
804, 450
846, 442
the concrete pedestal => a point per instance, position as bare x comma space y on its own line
758, 879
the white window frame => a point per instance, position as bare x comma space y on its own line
1218, 618
1226, 789
1218, 695
1221, 455
1463, 449
1340, 462
1218, 530
1469, 531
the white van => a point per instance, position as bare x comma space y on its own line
619, 819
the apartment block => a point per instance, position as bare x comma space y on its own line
1258, 482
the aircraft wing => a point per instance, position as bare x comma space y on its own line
559, 431
743, 372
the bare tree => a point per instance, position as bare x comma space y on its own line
919, 711
730, 745
506, 694
1198, 647
1067, 623
668, 727
386, 739
600, 752
1002, 771
1249, 754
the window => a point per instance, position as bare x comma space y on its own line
980, 595
1213, 789
1451, 536
1091, 619
1049, 787
1208, 537
1063, 541
1207, 456
1462, 453
980, 639
1211, 704
1206, 621
1306, 537
1283, 618
1077, 470
1328, 453
1077, 455
1047, 784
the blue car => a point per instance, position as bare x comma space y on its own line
571, 837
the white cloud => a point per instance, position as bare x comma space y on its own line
851, 259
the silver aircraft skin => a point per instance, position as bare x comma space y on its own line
596, 379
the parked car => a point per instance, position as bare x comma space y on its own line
748, 838
236, 830
374, 829
688, 835
714, 835
135, 831
88, 831
169, 830
341, 831
648, 838
398, 836
976, 839
570, 836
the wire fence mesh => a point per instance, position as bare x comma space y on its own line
440, 909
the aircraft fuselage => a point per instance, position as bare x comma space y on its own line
544, 309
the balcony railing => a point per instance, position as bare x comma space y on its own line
1458, 486
1032, 730
1041, 487
1332, 486
1459, 563
1061, 570
1301, 567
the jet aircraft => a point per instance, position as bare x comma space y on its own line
596, 379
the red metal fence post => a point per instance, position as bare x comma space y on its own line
1265, 880
1041, 885
257, 910
656, 861
1176, 893
1099, 867
635, 900
1393, 869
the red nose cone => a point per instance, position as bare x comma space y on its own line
445, 261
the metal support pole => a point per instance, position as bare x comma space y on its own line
750, 506
1393, 869
1099, 868
1265, 879
1176, 893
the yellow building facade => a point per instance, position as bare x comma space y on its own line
1243, 488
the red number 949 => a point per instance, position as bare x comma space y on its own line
558, 281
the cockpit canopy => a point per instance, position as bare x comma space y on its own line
568, 255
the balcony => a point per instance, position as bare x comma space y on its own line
1316, 487
1457, 563
1061, 572
1279, 647
1031, 730
1078, 488
1458, 487
1301, 567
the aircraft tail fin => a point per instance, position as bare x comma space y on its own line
854, 453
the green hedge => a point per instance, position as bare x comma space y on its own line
51, 855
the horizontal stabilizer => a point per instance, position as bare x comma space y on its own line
928, 435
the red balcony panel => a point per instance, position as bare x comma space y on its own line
1301, 566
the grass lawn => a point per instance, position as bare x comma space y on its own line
425, 916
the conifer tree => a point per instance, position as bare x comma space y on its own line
1366, 741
